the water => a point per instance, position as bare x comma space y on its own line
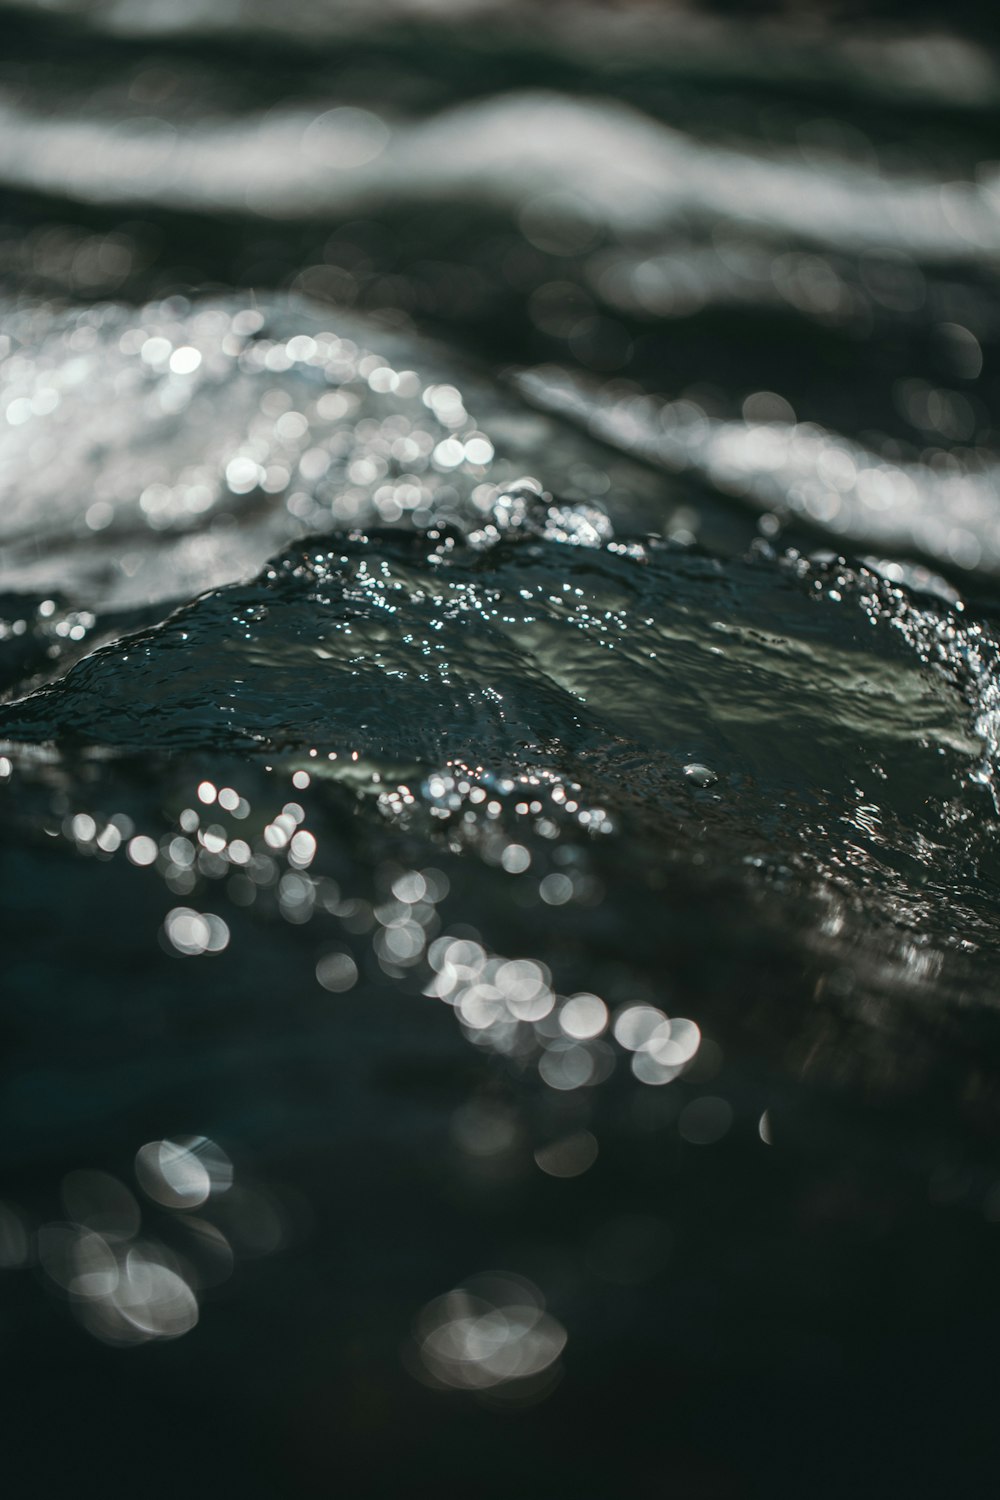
499, 751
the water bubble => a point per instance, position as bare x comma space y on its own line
78, 1260
84, 828
566, 1066
302, 849
337, 972
583, 1017
185, 361
182, 1173
674, 1043
410, 888
491, 1332
556, 890
193, 933
142, 850
515, 859
635, 1024
569, 1157
149, 1300
700, 775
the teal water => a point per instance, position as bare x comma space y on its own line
498, 756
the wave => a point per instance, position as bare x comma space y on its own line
948, 512
630, 174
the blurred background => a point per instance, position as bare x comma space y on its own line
773, 215
586, 1076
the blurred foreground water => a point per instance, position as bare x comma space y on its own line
499, 751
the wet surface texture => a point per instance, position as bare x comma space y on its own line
499, 738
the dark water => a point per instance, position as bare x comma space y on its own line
499, 751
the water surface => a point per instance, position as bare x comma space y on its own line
498, 752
